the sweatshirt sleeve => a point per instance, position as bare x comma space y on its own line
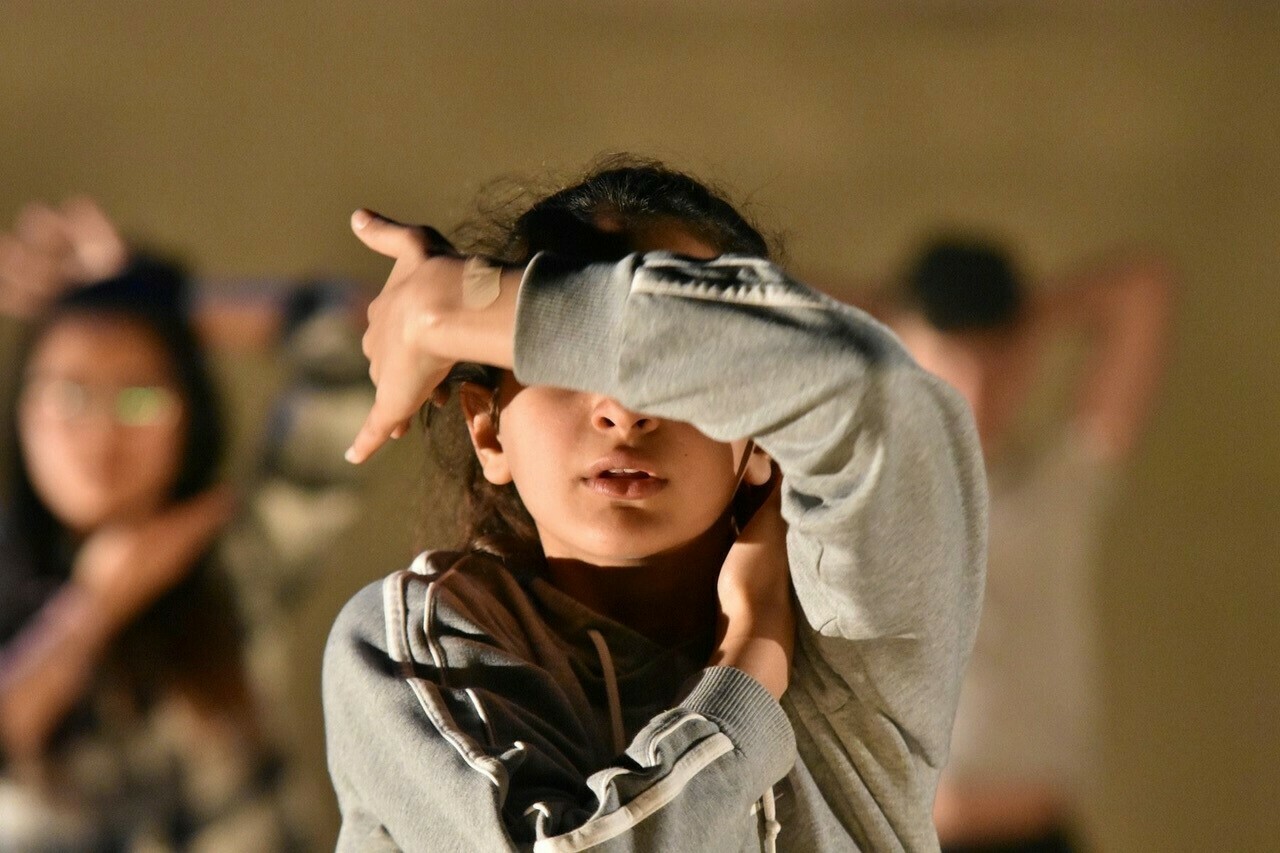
883, 490
443, 737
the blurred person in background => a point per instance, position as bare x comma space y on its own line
1024, 728
127, 712
125, 715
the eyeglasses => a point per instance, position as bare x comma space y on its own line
132, 405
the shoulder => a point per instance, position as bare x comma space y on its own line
366, 614
440, 593
372, 645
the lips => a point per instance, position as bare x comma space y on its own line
624, 475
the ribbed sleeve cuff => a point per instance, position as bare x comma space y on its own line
748, 714
568, 321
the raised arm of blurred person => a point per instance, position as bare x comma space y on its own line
53, 248
1124, 306
1020, 749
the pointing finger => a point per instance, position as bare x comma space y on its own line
373, 434
388, 237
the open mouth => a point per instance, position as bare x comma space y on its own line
623, 478
624, 474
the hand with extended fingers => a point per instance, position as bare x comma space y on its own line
422, 323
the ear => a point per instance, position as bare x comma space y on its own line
479, 409
759, 467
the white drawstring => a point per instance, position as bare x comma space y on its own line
611, 690
771, 825
768, 807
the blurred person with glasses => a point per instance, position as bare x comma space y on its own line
126, 717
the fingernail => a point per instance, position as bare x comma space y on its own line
350, 455
360, 219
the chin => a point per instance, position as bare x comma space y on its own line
618, 546
89, 515
81, 519
621, 536
598, 543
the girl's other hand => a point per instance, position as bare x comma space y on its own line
757, 618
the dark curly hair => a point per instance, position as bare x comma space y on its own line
632, 192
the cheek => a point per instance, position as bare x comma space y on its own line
86, 480
50, 459
708, 481
707, 487
540, 466
154, 458
68, 483
713, 460
539, 439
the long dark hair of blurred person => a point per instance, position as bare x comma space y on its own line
121, 683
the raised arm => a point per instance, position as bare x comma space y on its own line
47, 666
51, 249
1124, 308
879, 457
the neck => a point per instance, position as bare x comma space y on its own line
669, 598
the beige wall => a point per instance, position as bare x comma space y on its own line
246, 132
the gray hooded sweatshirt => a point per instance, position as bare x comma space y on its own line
471, 706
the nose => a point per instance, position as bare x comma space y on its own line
608, 415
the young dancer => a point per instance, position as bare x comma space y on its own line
606, 663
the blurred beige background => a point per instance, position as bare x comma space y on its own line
245, 133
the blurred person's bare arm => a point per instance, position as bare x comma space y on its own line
1124, 308
118, 572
